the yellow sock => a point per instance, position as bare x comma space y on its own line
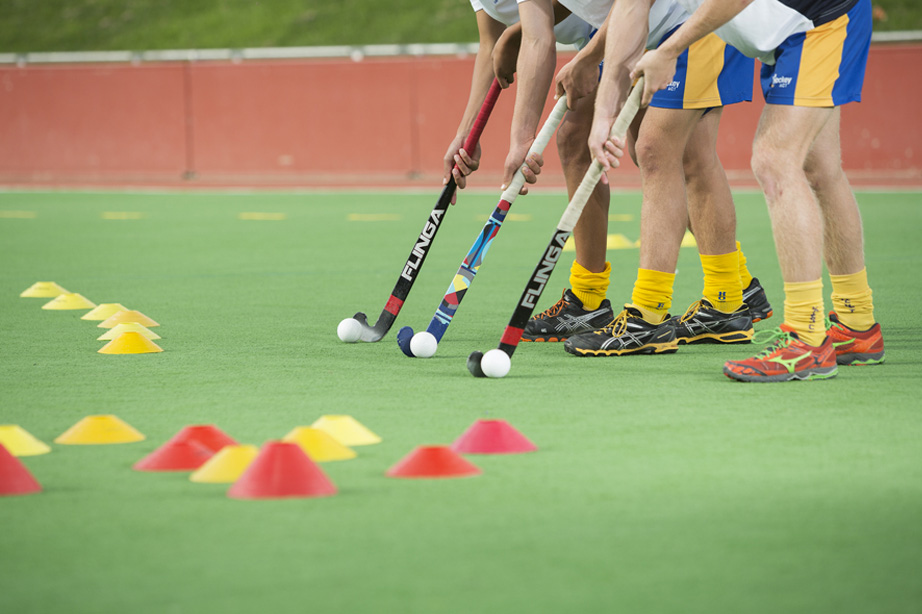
803, 310
722, 281
851, 299
745, 275
589, 287
653, 294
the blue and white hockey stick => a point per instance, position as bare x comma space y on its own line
471, 263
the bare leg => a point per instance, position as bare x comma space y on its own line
591, 231
843, 243
711, 211
664, 217
783, 140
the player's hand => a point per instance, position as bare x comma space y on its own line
531, 166
506, 54
607, 150
658, 68
577, 79
458, 163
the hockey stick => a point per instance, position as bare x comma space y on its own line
471, 263
423, 243
542, 272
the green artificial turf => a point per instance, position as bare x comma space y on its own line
659, 486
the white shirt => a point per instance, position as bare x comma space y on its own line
760, 28
664, 16
570, 31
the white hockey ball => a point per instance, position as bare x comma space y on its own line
495, 363
349, 330
423, 345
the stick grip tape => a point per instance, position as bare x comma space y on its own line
473, 137
544, 137
591, 178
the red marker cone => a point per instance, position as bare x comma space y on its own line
15, 479
492, 437
282, 471
176, 456
433, 462
187, 450
208, 435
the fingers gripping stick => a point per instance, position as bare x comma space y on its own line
541, 140
423, 243
529, 299
475, 256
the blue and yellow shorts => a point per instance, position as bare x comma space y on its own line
823, 67
708, 74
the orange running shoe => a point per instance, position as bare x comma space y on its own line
788, 358
855, 347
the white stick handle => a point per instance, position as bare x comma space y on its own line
541, 140
591, 178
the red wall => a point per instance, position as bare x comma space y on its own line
312, 122
92, 120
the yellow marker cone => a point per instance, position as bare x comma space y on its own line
99, 430
619, 241
43, 289
103, 311
689, 240
615, 241
319, 445
20, 442
130, 343
226, 466
346, 430
129, 315
69, 300
128, 327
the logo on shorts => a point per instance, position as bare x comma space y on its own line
673, 86
781, 82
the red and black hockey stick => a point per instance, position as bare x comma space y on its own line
423, 243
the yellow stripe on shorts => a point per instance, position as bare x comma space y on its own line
820, 58
705, 61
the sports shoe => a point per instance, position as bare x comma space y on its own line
629, 333
566, 318
855, 347
754, 298
704, 324
788, 358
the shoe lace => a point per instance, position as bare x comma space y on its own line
774, 339
553, 310
691, 311
616, 327
830, 323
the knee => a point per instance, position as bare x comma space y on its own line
700, 165
651, 154
771, 167
571, 143
823, 172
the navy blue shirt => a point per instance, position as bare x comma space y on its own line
820, 11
